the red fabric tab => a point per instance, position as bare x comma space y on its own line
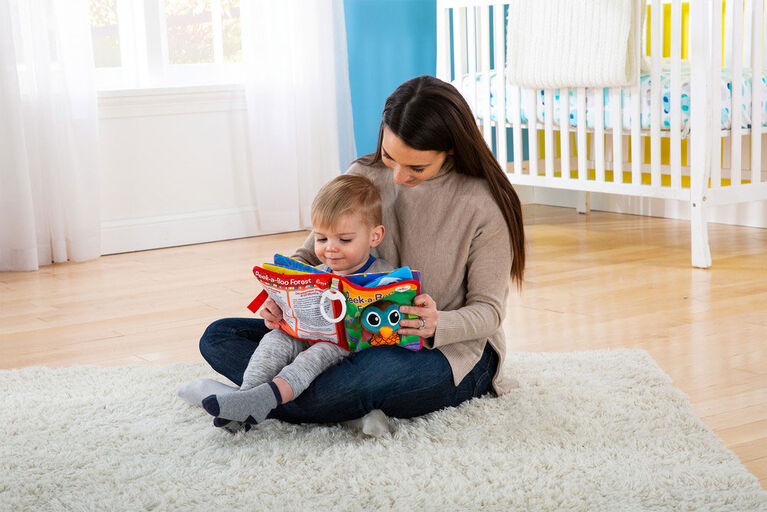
258, 301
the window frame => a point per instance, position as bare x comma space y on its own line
144, 59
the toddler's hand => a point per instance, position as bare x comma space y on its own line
271, 313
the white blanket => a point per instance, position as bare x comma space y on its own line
572, 43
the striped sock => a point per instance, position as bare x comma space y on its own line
249, 407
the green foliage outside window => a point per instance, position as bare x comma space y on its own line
106, 38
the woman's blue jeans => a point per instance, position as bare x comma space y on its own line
400, 382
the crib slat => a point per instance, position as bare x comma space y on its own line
636, 126
564, 132
548, 123
764, 38
656, 53
515, 98
516, 122
616, 120
700, 96
748, 13
443, 45
756, 92
737, 91
676, 98
583, 170
531, 102
500, 85
716, 97
728, 30
459, 45
636, 138
471, 37
760, 176
484, 44
598, 107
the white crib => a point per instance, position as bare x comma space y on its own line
712, 161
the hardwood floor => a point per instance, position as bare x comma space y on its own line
593, 281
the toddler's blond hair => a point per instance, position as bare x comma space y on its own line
347, 194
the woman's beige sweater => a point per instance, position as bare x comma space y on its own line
451, 230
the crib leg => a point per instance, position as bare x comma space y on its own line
583, 202
701, 253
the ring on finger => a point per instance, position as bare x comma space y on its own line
423, 324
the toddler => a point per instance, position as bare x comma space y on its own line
346, 218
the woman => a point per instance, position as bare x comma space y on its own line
450, 213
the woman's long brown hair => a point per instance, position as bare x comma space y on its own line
428, 114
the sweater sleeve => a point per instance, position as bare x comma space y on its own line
488, 268
305, 253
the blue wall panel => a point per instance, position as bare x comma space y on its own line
389, 41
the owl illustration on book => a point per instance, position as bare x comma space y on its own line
380, 322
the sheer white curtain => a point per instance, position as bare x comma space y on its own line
298, 102
48, 124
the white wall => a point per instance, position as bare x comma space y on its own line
174, 168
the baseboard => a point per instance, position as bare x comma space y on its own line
526, 193
145, 233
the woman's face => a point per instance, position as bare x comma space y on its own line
410, 166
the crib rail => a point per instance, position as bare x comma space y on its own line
538, 146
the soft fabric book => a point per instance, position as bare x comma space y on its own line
355, 312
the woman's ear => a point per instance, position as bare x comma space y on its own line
376, 235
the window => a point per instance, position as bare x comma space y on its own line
104, 32
162, 43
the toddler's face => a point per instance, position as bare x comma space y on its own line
345, 247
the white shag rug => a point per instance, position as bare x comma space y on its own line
591, 431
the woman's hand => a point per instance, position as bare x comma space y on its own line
271, 313
426, 323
